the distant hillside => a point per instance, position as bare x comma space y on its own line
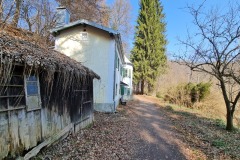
177, 73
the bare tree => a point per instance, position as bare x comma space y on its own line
6, 11
26, 14
215, 50
38, 16
93, 10
17, 11
120, 19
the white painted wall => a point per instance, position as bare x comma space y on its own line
118, 77
98, 54
128, 79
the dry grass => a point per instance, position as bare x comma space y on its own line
213, 105
205, 133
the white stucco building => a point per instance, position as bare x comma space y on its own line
98, 48
127, 90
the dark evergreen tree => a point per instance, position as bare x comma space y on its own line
148, 55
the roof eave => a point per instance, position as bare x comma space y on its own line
82, 22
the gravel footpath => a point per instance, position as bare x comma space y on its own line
158, 138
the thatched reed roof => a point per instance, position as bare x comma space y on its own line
24, 47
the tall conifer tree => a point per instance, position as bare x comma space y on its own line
148, 55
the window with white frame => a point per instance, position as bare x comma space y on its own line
129, 73
121, 71
83, 36
125, 72
33, 100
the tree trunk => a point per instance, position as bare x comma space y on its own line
17, 13
229, 126
138, 87
142, 87
230, 112
149, 88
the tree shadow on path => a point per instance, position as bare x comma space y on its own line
169, 134
156, 134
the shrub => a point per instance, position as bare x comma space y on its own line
158, 95
204, 90
188, 94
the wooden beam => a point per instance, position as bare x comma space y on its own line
48, 142
12, 96
11, 85
12, 109
87, 102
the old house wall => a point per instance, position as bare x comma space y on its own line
21, 130
118, 74
74, 104
24, 130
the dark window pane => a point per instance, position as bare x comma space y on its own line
16, 101
18, 70
22, 101
3, 91
32, 88
16, 80
122, 90
3, 103
15, 91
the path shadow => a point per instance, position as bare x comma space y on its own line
206, 137
156, 134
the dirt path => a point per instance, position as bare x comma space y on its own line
140, 130
158, 139
146, 129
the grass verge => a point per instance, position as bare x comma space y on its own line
203, 133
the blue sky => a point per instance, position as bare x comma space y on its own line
177, 18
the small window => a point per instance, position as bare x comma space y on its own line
32, 86
118, 64
122, 90
125, 72
116, 90
128, 92
32, 93
129, 73
121, 70
84, 36
12, 91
